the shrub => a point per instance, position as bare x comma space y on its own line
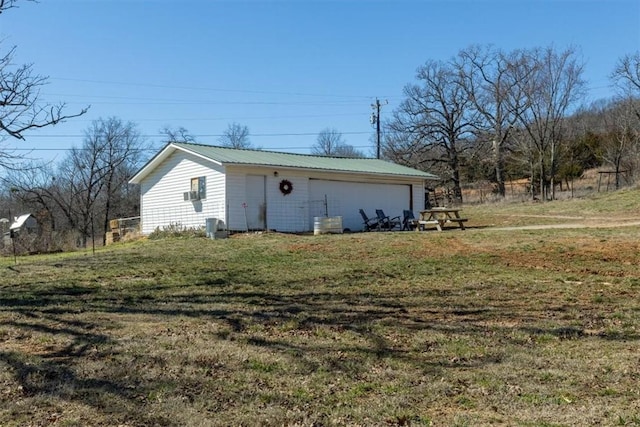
176, 229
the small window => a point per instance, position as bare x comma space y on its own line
198, 185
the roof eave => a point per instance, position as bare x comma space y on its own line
161, 157
170, 148
319, 169
152, 164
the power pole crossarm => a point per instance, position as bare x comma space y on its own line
375, 120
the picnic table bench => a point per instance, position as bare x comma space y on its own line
439, 216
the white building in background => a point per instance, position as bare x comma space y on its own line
188, 184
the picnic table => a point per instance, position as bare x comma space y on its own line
439, 216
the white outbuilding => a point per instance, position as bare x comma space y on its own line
24, 223
192, 185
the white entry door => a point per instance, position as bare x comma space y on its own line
256, 209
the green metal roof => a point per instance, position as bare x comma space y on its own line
228, 156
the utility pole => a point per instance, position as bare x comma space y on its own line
375, 120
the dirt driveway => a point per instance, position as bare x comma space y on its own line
580, 222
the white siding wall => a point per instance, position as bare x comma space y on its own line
418, 197
346, 198
284, 213
289, 212
345, 194
162, 201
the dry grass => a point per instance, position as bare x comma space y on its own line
481, 327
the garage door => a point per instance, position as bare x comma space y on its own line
342, 198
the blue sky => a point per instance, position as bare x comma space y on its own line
285, 68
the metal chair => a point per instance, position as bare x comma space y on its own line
387, 222
409, 221
370, 224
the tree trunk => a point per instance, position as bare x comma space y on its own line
107, 209
541, 177
498, 159
455, 177
552, 172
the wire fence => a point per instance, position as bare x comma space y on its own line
591, 182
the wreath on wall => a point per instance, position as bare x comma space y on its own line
286, 187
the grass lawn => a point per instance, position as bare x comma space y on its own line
460, 328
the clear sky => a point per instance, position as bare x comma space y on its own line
285, 68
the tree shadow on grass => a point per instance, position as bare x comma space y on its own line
55, 378
42, 368
244, 305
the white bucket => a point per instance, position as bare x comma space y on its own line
211, 227
327, 225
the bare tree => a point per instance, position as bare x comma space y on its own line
622, 130
21, 108
121, 151
348, 150
436, 118
627, 73
582, 149
31, 186
329, 139
555, 84
92, 184
8, 4
235, 136
331, 143
177, 135
492, 81
626, 76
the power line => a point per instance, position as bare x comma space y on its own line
156, 149
246, 91
185, 102
210, 119
263, 92
172, 100
203, 135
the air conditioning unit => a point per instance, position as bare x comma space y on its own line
190, 195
